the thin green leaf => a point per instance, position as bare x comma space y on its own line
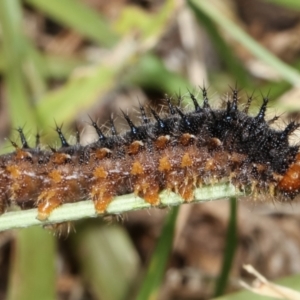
32, 273
221, 47
2, 61
288, 73
32, 65
231, 243
149, 25
15, 54
34, 70
51, 66
81, 91
156, 269
151, 73
80, 17
84, 88
112, 263
78, 94
60, 67
294, 4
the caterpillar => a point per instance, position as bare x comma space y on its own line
176, 152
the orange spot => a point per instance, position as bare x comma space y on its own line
21, 154
152, 195
140, 186
148, 189
210, 165
291, 179
237, 158
164, 164
101, 197
102, 153
186, 161
144, 186
56, 176
162, 142
14, 171
186, 139
15, 189
187, 192
60, 158
135, 147
102, 203
100, 173
49, 200
214, 143
260, 168
137, 168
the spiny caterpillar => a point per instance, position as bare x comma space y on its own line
178, 152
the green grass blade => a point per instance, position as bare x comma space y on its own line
288, 73
231, 242
14, 55
151, 73
221, 47
156, 269
32, 273
150, 26
112, 263
293, 4
78, 94
60, 67
34, 69
79, 17
84, 88
2, 61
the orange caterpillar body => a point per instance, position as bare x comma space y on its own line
178, 152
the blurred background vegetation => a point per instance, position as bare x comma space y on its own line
63, 60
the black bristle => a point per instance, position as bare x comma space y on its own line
262, 112
143, 114
231, 111
196, 104
23, 139
160, 122
228, 108
291, 127
249, 101
171, 106
52, 149
133, 129
113, 127
77, 135
205, 98
101, 136
179, 98
63, 140
184, 117
37, 140
273, 120
234, 99
15, 145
